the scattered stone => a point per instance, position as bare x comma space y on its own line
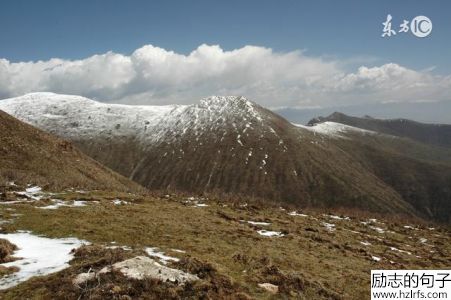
271, 288
141, 267
83, 277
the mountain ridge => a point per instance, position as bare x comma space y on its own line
433, 134
222, 144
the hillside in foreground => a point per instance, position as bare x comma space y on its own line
242, 250
29, 155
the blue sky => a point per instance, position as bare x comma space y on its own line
37, 30
282, 54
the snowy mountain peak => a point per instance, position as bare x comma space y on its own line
223, 101
231, 106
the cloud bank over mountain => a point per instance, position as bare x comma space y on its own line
152, 75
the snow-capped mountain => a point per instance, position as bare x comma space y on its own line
220, 145
432, 134
76, 117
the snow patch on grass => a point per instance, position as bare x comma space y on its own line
270, 233
59, 203
294, 213
329, 226
119, 202
164, 259
377, 229
257, 223
375, 258
37, 256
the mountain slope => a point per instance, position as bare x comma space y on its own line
221, 145
419, 172
432, 134
29, 155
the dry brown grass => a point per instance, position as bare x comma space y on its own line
309, 262
29, 155
6, 250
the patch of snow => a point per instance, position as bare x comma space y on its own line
13, 202
34, 192
294, 213
257, 223
377, 229
59, 203
38, 256
365, 243
153, 252
375, 258
178, 250
270, 233
338, 217
329, 226
126, 248
399, 250
410, 227
119, 202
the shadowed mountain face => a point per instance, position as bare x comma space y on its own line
29, 155
223, 145
433, 134
419, 172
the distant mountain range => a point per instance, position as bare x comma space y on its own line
426, 112
230, 145
433, 134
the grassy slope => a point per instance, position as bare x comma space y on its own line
420, 173
326, 263
29, 155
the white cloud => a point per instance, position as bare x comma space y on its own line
153, 75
